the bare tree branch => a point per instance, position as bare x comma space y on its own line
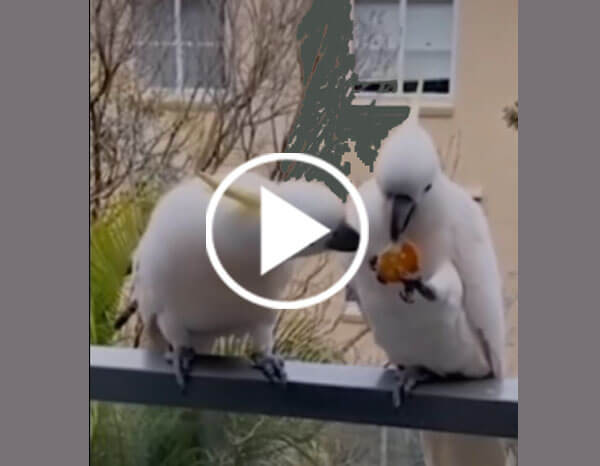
237, 75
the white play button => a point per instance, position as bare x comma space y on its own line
284, 230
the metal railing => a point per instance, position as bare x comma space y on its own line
330, 392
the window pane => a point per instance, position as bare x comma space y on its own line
201, 21
430, 86
428, 50
377, 35
429, 25
153, 20
146, 436
156, 64
203, 67
426, 65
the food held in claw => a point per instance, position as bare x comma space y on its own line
398, 263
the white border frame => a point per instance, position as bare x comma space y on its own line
304, 302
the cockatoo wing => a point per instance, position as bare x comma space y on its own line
475, 259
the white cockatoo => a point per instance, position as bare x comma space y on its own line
178, 292
454, 324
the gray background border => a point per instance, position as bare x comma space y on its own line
558, 187
45, 257
44, 285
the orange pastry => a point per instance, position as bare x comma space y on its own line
398, 263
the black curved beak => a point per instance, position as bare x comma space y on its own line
403, 208
344, 238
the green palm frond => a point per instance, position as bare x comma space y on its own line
113, 238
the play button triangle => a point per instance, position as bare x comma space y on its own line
284, 230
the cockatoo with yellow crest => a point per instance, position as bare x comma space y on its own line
178, 291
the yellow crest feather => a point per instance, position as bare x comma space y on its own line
245, 198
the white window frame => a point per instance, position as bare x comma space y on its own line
180, 93
431, 104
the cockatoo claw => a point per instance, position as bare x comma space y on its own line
272, 366
373, 263
181, 359
407, 379
407, 297
426, 291
409, 289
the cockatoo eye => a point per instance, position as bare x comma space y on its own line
428, 187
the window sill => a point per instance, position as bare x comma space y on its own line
441, 107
